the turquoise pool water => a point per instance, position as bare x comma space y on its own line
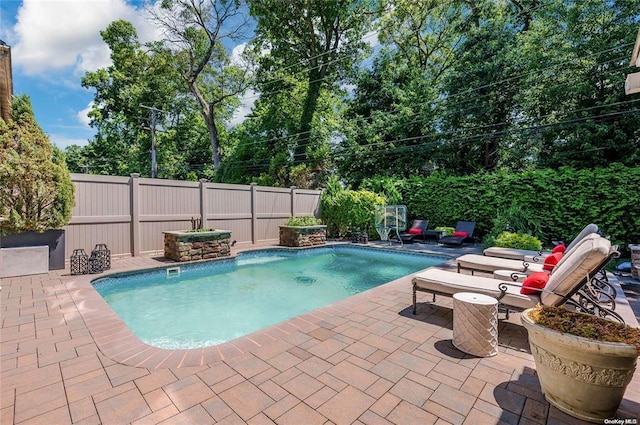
213, 302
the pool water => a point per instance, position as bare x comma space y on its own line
214, 302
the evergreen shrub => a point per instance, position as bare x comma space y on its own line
36, 192
562, 200
345, 210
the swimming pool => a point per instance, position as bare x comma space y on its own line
213, 302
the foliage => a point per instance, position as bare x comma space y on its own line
303, 52
385, 186
200, 230
517, 219
153, 75
564, 200
194, 34
461, 87
452, 88
303, 221
345, 210
448, 231
36, 192
585, 325
517, 241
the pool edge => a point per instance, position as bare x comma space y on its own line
116, 341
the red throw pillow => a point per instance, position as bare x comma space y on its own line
559, 248
551, 260
534, 280
460, 234
415, 231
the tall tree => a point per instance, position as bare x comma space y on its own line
577, 55
138, 75
477, 95
196, 31
318, 42
391, 114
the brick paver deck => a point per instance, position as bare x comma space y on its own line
66, 358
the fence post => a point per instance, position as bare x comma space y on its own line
293, 201
254, 214
203, 203
134, 186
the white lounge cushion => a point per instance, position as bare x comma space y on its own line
491, 264
512, 253
588, 255
450, 283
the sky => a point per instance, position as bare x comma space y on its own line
53, 43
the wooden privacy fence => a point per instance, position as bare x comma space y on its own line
129, 214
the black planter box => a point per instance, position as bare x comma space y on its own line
52, 238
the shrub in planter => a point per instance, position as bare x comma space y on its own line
448, 231
303, 231
36, 192
584, 362
303, 221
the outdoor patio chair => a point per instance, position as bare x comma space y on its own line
418, 228
575, 269
521, 254
483, 263
463, 233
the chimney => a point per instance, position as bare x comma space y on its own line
6, 81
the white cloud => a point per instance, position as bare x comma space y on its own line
236, 54
58, 34
246, 106
83, 115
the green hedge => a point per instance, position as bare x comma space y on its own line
563, 200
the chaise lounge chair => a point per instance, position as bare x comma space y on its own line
521, 254
483, 263
418, 228
463, 233
575, 269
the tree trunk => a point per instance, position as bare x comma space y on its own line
308, 110
213, 137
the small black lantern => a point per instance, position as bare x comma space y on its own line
103, 256
79, 262
96, 263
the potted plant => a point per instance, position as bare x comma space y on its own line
584, 362
303, 231
36, 192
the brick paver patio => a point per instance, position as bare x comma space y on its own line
66, 358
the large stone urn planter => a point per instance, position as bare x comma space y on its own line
298, 236
582, 377
189, 246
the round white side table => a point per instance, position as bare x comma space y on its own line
475, 324
509, 275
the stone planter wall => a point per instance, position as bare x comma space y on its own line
189, 246
303, 236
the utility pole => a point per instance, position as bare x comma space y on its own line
154, 162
